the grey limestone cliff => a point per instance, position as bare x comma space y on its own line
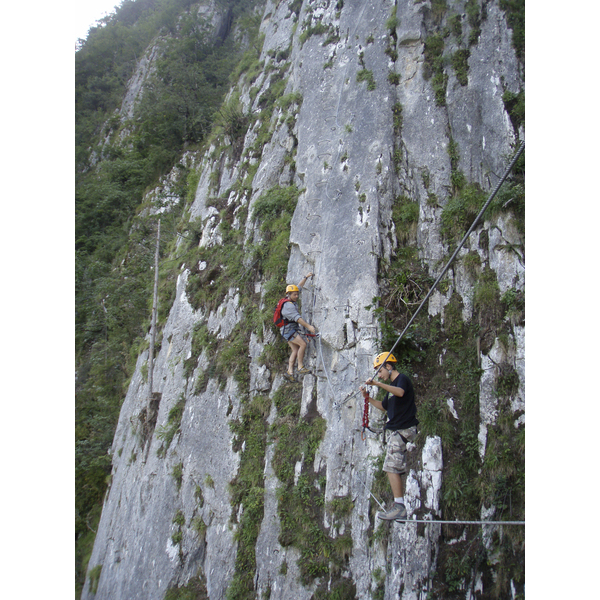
168, 514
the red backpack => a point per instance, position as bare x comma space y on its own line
277, 318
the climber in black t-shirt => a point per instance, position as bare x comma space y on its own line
399, 403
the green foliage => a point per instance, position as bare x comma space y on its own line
460, 211
433, 67
487, 292
94, 576
341, 507
232, 120
273, 211
247, 490
438, 9
366, 75
455, 23
435, 418
114, 168
474, 19
301, 505
515, 12
179, 518
442, 357
195, 589
167, 432
397, 117
460, 64
318, 28
392, 23
379, 579
177, 474
405, 214
515, 107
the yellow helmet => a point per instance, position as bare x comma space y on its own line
383, 357
291, 288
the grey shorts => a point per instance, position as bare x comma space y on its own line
395, 456
289, 331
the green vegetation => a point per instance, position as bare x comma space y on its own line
177, 474
460, 64
515, 12
247, 490
94, 577
195, 589
301, 504
116, 164
433, 67
461, 210
366, 75
318, 28
442, 356
392, 23
515, 107
182, 109
167, 432
274, 210
474, 19
468, 198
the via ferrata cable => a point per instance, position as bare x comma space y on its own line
462, 243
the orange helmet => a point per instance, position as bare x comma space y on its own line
292, 288
383, 358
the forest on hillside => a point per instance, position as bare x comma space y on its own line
117, 163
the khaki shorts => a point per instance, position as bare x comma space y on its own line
395, 456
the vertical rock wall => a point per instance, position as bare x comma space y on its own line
167, 515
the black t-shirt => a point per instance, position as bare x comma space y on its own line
401, 411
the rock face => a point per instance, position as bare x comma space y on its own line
167, 516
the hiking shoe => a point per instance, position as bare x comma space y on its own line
396, 513
290, 378
303, 371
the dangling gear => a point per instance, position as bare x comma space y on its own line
365, 421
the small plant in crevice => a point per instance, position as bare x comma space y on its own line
433, 67
177, 474
366, 75
167, 432
460, 64
460, 211
393, 78
515, 107
194, 589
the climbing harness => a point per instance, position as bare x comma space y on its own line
462, 243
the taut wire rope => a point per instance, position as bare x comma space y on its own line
462, 243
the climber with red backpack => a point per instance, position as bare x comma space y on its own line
288, 318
